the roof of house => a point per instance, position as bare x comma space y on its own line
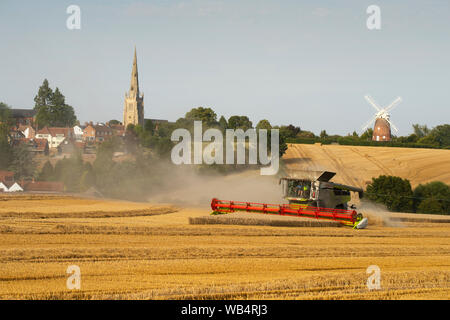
23, 127
9, 184
53, 131
23, 113
158, 120
16, 132
43, 186
36, 144
102, 128
4, 173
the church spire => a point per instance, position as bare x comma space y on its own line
134, 87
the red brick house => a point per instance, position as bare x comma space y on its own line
97, 133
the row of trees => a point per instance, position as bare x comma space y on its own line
396, 193
438, 137
159, 138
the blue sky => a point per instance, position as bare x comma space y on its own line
308, 63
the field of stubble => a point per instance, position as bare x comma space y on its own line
141, 251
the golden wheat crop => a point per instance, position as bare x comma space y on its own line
139, 256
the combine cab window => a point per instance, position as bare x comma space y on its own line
299, 189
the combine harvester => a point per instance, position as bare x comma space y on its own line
310, 195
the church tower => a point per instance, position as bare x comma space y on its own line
133, 111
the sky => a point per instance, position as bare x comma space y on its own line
307, 63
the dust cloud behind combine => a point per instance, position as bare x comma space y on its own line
185, 186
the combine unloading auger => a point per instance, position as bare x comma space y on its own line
346, 217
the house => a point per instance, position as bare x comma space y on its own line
7, 183
23, 116
15, 134
68, 146
12, 187
6, 176
39, 146
27, 130
54, 135
97, 133
43, 186
157, 122
3, 188
36, 146
78, 132
118, 130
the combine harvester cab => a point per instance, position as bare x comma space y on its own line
310, 195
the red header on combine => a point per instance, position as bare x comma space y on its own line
347, 217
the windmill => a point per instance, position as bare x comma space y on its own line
383, 124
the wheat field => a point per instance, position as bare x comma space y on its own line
154, 253
356, 165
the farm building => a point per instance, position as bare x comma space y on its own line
43, 186
10, 187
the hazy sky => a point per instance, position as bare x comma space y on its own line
308, 63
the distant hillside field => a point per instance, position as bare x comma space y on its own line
356, 165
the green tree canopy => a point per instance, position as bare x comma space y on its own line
206, 115
264, 124
394, 192
47, 172
223, 123
5, 113
441, 135
52, 109
433, 197
290, 131
367, 135
239, 122
22, 163
420, 130
323, 134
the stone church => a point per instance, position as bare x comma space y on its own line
133, 110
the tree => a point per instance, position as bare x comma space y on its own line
47, 172
206, 115
44, 96
441, 135
433, 197
290, 131
264, 124
394, 192
114, 122
323, 134
52, 109
239, 122
5, 113
87, 178
431, 206
223, 124
367, 135
149, 127
5, 147
420, 131
22, 163
429, 139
